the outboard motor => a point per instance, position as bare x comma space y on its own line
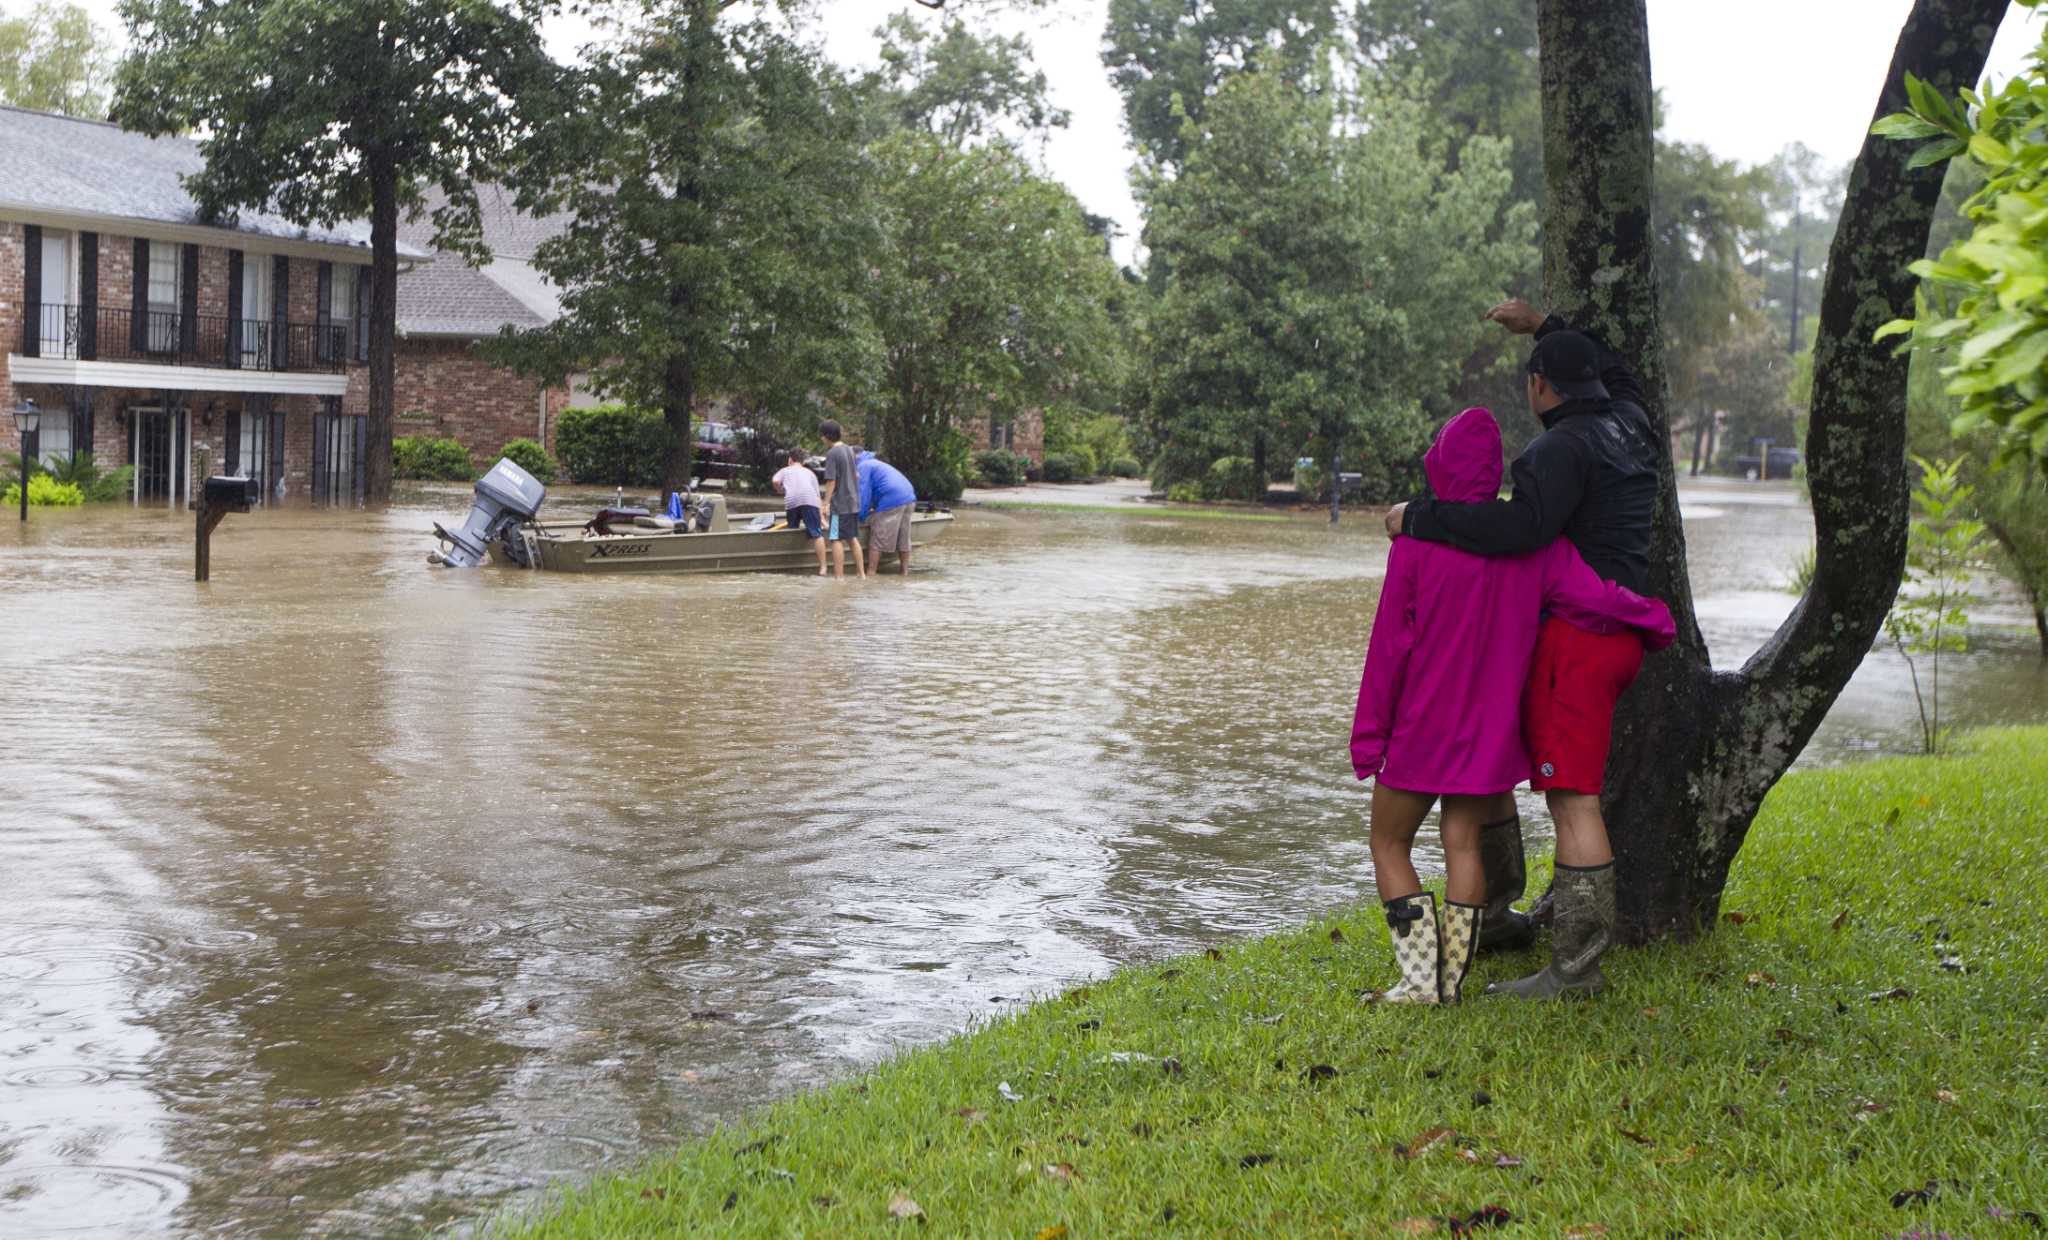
506, 497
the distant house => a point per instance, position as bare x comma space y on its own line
446, 308
151, 337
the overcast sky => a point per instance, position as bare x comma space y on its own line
1743, 77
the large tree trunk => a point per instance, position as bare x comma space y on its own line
1695, 749
383, 324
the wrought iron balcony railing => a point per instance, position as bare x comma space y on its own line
167, 337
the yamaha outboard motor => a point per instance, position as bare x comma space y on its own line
506, 498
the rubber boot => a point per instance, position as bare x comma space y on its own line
1507, 877
1418, 949
1580, 936
1464, 925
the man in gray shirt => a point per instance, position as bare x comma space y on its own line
842, 500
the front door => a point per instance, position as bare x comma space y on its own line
157, 447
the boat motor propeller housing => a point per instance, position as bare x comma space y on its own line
506, 497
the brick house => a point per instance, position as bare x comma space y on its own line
151, 337
447, 307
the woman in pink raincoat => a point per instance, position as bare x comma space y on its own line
1439, 705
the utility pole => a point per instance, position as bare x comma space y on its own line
1798, 278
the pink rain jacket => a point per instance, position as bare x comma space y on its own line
1439, 708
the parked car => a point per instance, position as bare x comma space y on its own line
717, 453
1782, 462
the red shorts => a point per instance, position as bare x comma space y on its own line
1568, 704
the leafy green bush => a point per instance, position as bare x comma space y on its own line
1125, 467
1232, 477
1062, 468
98, 485
946, 476
436, 460
528, 455
44, 492
1000, 467
1184, 493
612, 445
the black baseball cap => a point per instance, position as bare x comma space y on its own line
1570, 361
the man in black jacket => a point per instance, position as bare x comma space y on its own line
1591, 476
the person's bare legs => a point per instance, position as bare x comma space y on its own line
874, 555
839, 560
859, 565
903, 561
1465, 879
1581, 830
819, 545
1396, 816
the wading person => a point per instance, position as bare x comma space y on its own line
842, 500
1451, 646
1591, 476
886, 501
798, 487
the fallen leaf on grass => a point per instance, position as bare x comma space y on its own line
1141, 1130
1480, 1098
1783, 1034
1058, 1231
654, 1194
1506, 1162
1760, 978
971, 1115
1317, 1073
1058, 1171
1470, 1156
1424, 1143
1089, 1024
1079, 994
1255, 1160
902, 1207
1484, 1216
1945, 1095
731, 1199
1171, 1066
1585, 1231
1337, 935
825, 1202
1735, 919
1416, 1226
1841, 919
1634, 1136
1683, 1156
1652, 1012
1213, 954
1866, 1108
1896, 992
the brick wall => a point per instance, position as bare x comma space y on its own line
1027, 433
10, 326
213, 280
445, 389
117, 272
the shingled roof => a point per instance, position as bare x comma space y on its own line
60, 165
450, 298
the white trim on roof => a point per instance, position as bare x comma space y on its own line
200, 234
182, 378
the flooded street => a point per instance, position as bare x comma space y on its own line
343, 896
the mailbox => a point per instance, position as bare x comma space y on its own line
231, 494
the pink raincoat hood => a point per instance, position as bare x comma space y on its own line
1464, 463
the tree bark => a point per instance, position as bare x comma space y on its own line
383, 323
1695, 750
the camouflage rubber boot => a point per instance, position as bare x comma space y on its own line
1583, 930
1507, 877
1418, 950
1464, 926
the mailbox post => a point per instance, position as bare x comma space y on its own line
219, 497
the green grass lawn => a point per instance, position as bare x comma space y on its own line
1860, 1049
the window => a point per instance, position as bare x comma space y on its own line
256, 307
57, 323
341, 305
163, 297
53, 437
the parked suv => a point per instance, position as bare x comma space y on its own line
1782, 463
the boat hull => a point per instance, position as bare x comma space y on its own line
568, 548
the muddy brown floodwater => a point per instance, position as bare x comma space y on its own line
346, 896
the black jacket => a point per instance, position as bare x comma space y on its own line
1591, 476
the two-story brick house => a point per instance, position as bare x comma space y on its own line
151, 337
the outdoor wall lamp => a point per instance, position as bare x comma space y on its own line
26, 418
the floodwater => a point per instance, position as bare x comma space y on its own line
344, 896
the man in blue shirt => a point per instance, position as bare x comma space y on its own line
886, 501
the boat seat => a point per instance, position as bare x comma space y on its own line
654, 523
762, 521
